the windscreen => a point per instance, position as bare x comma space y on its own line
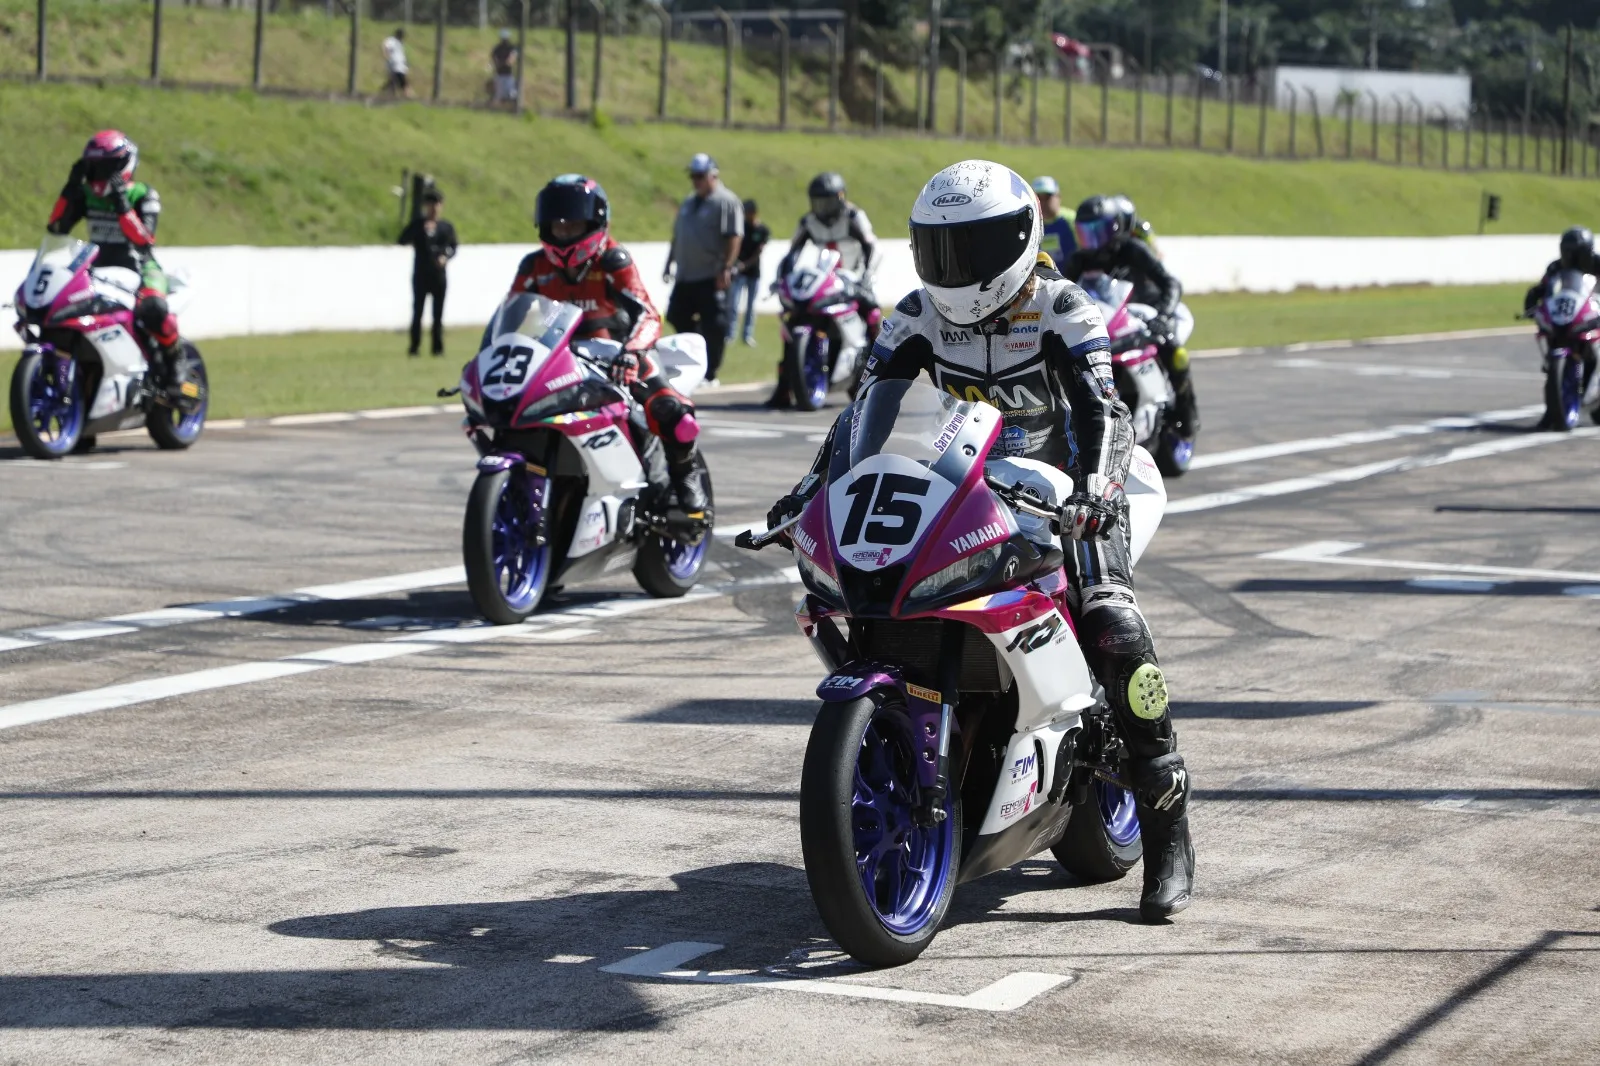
532, 315
908, 418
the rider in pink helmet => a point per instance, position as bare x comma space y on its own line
122, 214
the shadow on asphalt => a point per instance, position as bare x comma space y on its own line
1484, 508
1266, 709
1432, 586
721, 711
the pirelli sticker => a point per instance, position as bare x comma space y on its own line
1026, 316
931, 695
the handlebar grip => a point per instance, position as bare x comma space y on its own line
746, 539
445, 394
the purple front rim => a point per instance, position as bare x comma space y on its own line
520, 564
815, 370
53, 406
1117, 812
904, 867
1571, 391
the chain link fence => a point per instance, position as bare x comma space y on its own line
631, 60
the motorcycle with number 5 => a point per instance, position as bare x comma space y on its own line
571, 484
961, 729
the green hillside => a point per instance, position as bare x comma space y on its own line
241, 168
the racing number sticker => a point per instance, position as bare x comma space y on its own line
882, 507
504, 369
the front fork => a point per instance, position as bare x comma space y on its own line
536, 484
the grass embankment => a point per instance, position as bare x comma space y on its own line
308, 51
253, 377
236, 168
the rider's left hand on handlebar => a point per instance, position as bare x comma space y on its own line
1092, 510
625, 368
786, 509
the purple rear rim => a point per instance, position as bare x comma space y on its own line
1117, 812
54, 408
904, 867
683, 560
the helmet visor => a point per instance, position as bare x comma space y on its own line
826, 208
104, 168
1096, 233
570, 202
957, 254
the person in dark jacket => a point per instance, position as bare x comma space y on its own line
1106, 246
747, 277
434, 241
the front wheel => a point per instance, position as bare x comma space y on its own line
1563, 393
1102, 840
667, 567
881, 882
171, 427
47, 409
1173, 452
805, 369
508, 569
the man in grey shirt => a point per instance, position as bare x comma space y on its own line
705, 248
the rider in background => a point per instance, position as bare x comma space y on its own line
1060, 241
992, 322
578, 263
122, 215
1107, 245
1577, 253
1138, 227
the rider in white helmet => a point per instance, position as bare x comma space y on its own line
994, 321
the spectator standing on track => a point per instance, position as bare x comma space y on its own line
434, 241
747, 279
394, 58
704, 251
1060, 240
504, 59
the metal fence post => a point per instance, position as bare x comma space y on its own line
255, 51
1421, 128
1033, 102
999, 75
1399, 129
1466, 141
1505, 141
1350, 126
666, 45
1199, 111
1294, 120
833, 75
1538, 151
1376, 115
1105, 102
1170, 87
1316, 121
438, 47
355, 46
1261, 125
877, 93
155, 42
599, 54
522, 51
1138, 106
572, 55
40, 53
961, 85
1066, 118
730, 30
783, 72
922, 83
1232, 85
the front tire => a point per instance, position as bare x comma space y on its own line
1173, 452
808, 382
171, 428
1102, 841
881, 883
47, 408
507, 571
666, 567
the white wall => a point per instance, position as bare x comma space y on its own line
1453, 92
243, 290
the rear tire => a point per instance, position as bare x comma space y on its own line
47, 419
506, 573
1096, 846
836, 825
667, 568
171, 428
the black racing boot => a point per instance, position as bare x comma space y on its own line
180, 387
1185, 409
1161, 797
688, 486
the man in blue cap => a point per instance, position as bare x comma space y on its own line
1059, 240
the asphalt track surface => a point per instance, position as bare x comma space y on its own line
341, 823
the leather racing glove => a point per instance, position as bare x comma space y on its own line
1092, 509
625, 368
75, 178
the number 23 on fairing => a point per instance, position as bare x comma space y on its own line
881, 509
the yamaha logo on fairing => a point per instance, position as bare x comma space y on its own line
951, 199
981, 535
807, 543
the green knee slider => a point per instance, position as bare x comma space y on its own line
1147, 693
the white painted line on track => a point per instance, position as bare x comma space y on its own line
1212, 500
124, 695
313, 419
1402, 370
1258, 452
775, 426
1336, 553
1365, 342
60, 464
239, 608
666, 962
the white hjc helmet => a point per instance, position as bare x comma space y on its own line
974, 239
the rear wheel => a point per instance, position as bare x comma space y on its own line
172, 427
667, 567
1102, 839
507, 570
881, 882
47, 409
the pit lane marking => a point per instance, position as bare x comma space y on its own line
666, 962
545, 626
1336, 553
1360, 436
1289, 486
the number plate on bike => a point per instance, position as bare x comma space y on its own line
882, 508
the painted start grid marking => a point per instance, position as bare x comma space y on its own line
554, 625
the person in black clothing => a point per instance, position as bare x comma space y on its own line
434, 241
1106, 246
747, 273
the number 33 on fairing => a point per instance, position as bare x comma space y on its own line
882, 507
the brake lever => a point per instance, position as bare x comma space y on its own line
445, 394
754, 541
1021, 497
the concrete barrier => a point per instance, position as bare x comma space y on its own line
242, 290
